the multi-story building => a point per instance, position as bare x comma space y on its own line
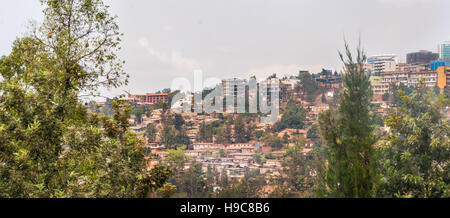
150, 98
429, 77
436, 64
233, 88
378, 87
443, 77
444, 51
406, 77
421, 57
382, 63
412, 67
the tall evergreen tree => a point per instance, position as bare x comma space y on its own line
349, 134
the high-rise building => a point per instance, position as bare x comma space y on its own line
444, 51
421, 57
234, 89
382, 63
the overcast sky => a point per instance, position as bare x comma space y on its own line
166, 39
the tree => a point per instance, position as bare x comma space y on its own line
324, 99
251, 186
313, 133
273, 141
179, 122
349, 134
285, 138
293, 117
416, 156
167, 191
240, 130
257, 158
309, 86
150, 132
298, 173
194, 182
224, 135
50, 145
138, 112
176, 159
205, 133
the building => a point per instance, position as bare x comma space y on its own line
150, 98
443, 77
444, 51
412, 67
382, 63
436, 64
233, 88
421, 57
378, 87
332, 82
405, 77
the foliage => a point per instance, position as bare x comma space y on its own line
167, 190
349, 135
309, 86
293, 117
415, 159
298, 172
251, 186
50, 145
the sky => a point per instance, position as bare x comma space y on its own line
168, 39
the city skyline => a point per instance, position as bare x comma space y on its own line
169, 39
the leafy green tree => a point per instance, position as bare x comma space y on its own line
194, 183
50, 145
205, 133
298, 171
167, 190
349, 134
257, 158
313, 133
179, 122
138, 112
241, 133
222, 153
324, 99
273, 141
293, 117
416, 156
251, 186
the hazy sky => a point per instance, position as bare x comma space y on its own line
166, 39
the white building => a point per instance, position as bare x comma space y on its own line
382, 63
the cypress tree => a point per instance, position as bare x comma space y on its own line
349, 134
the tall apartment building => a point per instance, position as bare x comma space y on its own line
234, 88
382, 63
421, 57
444, 51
